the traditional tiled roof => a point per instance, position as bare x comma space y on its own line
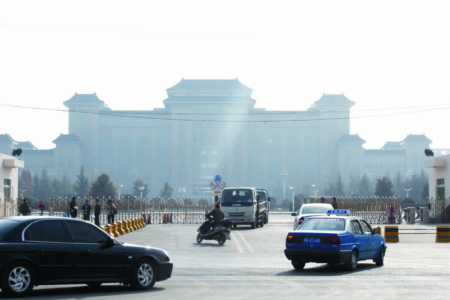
84, 99
416, 138
351, 138
375, 152
26, 145
6, 138
392, 146
66, 138
333, 99
208, 86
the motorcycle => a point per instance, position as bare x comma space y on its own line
219, 232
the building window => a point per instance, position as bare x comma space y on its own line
7, 188
440, 188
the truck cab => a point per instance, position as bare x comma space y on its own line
264, 199
242, 206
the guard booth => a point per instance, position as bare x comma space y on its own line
411, 215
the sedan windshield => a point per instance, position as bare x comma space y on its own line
315, 209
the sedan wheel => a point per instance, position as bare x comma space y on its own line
18, 279
352, 262
379, 261
144, 275
298, 265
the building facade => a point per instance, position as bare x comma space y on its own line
211, 127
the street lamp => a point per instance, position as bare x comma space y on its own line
316, 189
118, 188
293, 197
407, 192
283, 174
141, 189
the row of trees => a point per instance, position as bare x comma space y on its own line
413, 190
37, 188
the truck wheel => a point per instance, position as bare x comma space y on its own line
261, 223
254, 224
266, 219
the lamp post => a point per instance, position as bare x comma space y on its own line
293, 198
141, 189
316, 189
118, 188
283, 174
407, 192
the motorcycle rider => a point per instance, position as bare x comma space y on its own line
216, 214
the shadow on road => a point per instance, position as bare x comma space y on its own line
82, 291
327, 270
209, 243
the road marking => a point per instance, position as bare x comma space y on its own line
244, 240
236, 241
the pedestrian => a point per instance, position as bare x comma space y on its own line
24, 209
41, 207
86, 210
73, 207
97, 210
322, 200
334, 204
111, 211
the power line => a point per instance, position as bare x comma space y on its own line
169, 117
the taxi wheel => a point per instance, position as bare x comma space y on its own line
379, 261
298, 265
352, 262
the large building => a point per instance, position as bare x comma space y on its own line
211, 127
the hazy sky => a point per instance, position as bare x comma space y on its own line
392, 58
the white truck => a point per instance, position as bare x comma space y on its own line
242, 205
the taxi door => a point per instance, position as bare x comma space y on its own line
373, 244
360, 239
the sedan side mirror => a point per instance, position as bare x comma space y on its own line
294, 214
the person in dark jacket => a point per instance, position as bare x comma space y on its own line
334, 204
24, 209
73, 208
86, 210
97, 210
216, 214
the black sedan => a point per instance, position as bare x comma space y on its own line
48, 250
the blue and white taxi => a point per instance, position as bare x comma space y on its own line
337, 237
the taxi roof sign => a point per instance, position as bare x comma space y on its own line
338, 212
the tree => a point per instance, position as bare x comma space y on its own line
166, 191
45, 187
136, 191
25, 183
383, 187
398, 185
337, 189
424, 194
365, 188
81, 186
102, 187
66, 187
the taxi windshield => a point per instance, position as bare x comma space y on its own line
329, 224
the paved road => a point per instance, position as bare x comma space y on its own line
252, 266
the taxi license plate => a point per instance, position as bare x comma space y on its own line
311, 240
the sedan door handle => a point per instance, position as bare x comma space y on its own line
356, 238
85, 251
39, 250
